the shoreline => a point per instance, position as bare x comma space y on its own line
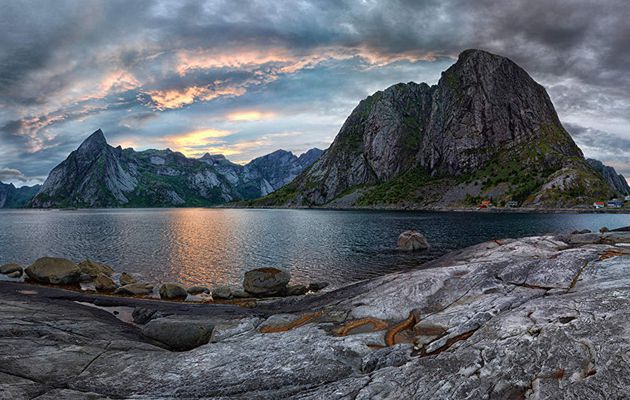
486, 319
491, 210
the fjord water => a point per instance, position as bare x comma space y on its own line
216, 246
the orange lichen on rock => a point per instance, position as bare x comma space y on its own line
390, 336
610, 253
377, 325
304, 319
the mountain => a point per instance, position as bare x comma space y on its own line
486, 130
616, 181
12, 197
99, 175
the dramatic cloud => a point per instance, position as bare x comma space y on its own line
248, 77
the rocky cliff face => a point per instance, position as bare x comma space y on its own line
12, 197
487, 129
99, 175
616, 181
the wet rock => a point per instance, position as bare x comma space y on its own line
317, 286
296, 290
222, 292
581, 232
135, 289
266, 281
173, 291
11, 270
57, 271
104, 283
179, 335
412, 241
194, 290
603, 229
126, 279
93, 268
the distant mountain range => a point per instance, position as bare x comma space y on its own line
487, 130
99, 175
12, 197
615, 180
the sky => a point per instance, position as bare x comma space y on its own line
244, 78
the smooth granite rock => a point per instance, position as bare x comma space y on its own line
104, 283
173, 291
135, 289
531, 318
178, 335
266, 281
412, 241
12, 270
222, 292
58, 271
194, 290
93, 268
126, 279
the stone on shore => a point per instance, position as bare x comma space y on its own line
126, 279
240, 294
173, 291
11, 270
412, 241
195, 290
222, 292
179, 335
104, 283
521, 318
266, 281
56, 271
135, 289
93, 268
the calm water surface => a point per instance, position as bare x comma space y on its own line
216, 246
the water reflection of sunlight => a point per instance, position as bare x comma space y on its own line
202, 246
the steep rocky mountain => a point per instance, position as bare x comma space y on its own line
617, 181
12, 197
99, 175
486, 130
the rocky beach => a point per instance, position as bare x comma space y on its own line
535, 317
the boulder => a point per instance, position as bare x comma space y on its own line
198, 290
412, 241
179, 335
104, 283
11, 270
221, 292
266, 281
603, 229
296, 290
126, 279
93, 268
240, 294
57, 271
135, 289
173, 291
317, 286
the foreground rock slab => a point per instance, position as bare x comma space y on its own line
532, 318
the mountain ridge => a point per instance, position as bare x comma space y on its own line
485, 130
99, 175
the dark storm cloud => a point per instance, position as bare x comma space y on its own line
149, 68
